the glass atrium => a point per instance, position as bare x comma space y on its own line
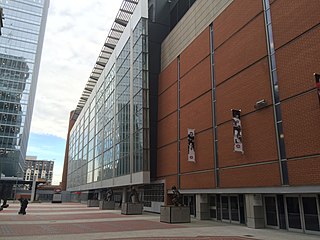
110, 139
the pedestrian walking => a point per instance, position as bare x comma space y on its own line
23, 205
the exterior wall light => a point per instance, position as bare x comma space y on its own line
261, 104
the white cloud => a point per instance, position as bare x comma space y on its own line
75, 33
57, 175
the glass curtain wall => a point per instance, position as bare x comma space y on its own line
111, 139
20, 50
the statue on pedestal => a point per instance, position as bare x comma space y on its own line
176, 199
109, 195
134, 195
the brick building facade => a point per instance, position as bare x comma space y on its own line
258, 57
230, 65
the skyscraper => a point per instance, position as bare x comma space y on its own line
20, 52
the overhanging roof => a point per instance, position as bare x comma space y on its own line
123, 16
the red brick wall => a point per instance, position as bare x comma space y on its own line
204, 153
241, 50
301, 118
243, 90
234, 18
167, 130
304, 172
296, 34
251, 176
168, 102
296, 63
196, 82
242, 78
258, 140
168, 76
195, 52
167, 160
197, 115
198, 180
292, 18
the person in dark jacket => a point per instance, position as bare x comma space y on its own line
5, 190
23, 205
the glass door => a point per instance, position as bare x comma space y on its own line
213, 207
230, 211
189, 200
234, 209
311, 213
293, 213
225, 208
271, 211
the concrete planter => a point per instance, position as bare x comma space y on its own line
93, 203
131, 208
57, 198
173, 214
106, 205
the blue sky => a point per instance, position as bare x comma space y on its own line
75, 33
48, 147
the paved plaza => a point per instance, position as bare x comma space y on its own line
77, 221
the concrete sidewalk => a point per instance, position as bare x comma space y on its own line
77, 221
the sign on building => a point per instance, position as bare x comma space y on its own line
237, 131
191, 150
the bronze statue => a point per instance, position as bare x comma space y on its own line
176, 199
134, 195
109, 195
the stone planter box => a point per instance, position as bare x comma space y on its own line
173, 214
57, 198
106, 205
131, 208
93, 203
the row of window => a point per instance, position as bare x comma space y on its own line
99, 145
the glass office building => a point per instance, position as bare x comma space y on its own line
20, 51
109, 143
112, 137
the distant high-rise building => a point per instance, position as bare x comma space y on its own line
20, 52
41, 169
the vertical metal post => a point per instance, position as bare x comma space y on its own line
131, 162
178, 124
282, 156
214, 118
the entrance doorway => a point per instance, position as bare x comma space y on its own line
227, 208
189, 200
230, 209
302, 213
299, 213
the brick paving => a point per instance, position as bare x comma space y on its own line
70, 216
188, 238
46, 221
79, 228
